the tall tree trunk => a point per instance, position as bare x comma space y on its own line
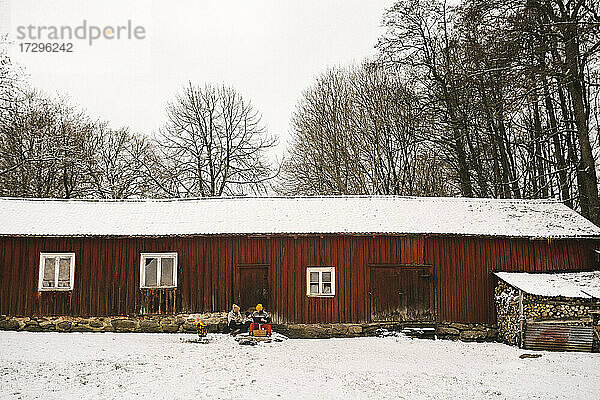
464, 175
538, 160
576, 92
559, 157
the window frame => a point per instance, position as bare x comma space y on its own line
320, 270
56, 256
159, 256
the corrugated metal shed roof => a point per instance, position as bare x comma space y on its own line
293, 215
566, 284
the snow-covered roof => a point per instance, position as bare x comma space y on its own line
565, 284
293, 215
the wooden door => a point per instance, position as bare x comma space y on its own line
401, 293
252, 286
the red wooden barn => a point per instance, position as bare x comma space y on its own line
308, 259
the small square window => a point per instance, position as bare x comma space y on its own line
56, 271
158, 270
320, 281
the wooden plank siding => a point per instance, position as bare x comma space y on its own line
463, 266
107, 272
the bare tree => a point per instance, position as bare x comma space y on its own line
514, 85
49, 148
361, 130
213, 144
43, 148
11, 78
573, 28
117, 168
420, 36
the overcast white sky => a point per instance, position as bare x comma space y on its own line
270, 50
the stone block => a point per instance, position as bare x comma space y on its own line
472, 336
9, 325
64, 326
370, 329
21, 321
149, 326
339, 330
32, 326
47, 325
445, 330
77, 327
460, 327
124, 325
169, 326
317, 332
96, 323
355, 329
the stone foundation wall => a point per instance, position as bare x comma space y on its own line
181, 323
151, 324
216, 322
538, 308
467, 332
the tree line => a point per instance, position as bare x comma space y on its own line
212, 144
480, 99
486, 98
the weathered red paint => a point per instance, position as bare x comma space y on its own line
107, 272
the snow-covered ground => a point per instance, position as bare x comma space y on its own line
156, 366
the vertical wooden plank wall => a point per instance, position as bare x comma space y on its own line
463, 267
107, 272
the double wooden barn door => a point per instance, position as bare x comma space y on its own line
401, 293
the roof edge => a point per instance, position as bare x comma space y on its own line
360, 196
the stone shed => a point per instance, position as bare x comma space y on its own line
549, 311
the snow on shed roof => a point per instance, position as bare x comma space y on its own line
566, 284
293, 215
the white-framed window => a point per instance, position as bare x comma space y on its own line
320, 281
158, 270
57, 271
